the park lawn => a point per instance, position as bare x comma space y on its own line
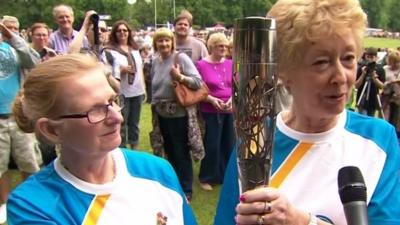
381, 42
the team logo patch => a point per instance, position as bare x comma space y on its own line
161, 219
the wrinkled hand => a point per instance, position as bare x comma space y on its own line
270, 206
227, 106
216, 102
175, 72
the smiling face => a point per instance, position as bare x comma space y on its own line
321, 82
164, 46
182, 28
122, 34
64, 18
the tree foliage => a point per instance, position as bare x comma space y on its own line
381, 14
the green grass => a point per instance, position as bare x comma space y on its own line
381, 42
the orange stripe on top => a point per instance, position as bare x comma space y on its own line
95, 210
287, 166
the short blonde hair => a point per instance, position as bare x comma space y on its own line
10, 19
216, 38
162, 33
303, 21
40, 93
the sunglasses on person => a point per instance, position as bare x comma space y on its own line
99, 113
122, 30
103, 29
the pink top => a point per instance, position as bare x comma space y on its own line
218, 78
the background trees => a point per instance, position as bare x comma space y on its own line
381, 14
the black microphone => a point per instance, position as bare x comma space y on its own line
353, 194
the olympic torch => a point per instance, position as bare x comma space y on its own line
254, 79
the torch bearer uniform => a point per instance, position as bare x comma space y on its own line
305, 168
145, 190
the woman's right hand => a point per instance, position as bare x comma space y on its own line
268, 206
216, 102
126, 70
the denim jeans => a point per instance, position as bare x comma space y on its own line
219, 140
175, 134
131, 114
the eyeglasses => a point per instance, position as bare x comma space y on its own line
103, 29
122, 30
40, 35
99, 113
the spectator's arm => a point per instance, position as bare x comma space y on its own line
27, 56
78, 41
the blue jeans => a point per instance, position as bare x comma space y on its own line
131, 114
219, 140
175, 134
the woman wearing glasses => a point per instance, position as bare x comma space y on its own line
127, 66
68, 101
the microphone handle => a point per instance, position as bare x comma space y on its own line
356, 213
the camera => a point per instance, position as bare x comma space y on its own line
94, 18
370, 68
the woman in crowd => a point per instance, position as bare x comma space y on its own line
320, 42
216, 71
391, 91
40, 40
92, 181
127, 67
173, 118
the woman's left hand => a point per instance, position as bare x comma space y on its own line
268, 206
175, 72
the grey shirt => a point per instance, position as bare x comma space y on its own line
162, 88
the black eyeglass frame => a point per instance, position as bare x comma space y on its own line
118, 100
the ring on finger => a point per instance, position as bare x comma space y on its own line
267, 207
260, 220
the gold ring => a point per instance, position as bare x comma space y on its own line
267, 207
260, 220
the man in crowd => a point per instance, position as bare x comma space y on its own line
370, 78
186, 43
65, 34
15, 54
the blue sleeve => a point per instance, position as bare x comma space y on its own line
229, 196
20, 211
384, 207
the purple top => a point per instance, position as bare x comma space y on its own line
218, 78
59, 42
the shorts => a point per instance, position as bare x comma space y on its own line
21, 146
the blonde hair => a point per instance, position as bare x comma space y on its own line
304, 21
216, 38
10, 19
40, 92
393, 58
162, 33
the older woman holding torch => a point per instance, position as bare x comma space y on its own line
319, 44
